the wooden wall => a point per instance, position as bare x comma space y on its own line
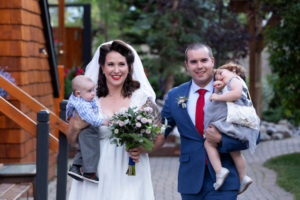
21, 36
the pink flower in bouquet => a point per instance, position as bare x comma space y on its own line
121, 123
150, 110
139, 117
116, 131
150, 121
138, 124
144, 120
148, 131
143, 131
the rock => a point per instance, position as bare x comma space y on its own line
284, 130
283, 122
263, 129
287, 134
264, 123
270, 124
271, 130
277, 136
264, 137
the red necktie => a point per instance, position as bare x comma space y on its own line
199, 120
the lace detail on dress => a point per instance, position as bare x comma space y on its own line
138, 99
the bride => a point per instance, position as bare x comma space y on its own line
121, 82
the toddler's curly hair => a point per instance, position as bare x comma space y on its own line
240, 70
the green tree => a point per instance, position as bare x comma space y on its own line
283, 42
169, 26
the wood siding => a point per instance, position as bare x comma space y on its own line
21, 37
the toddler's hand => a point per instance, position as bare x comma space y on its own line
105, 122
218, 84
213, 97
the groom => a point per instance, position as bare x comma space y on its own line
196, 175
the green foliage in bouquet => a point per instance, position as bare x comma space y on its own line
69, 75
134, 128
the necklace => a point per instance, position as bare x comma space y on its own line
114, 96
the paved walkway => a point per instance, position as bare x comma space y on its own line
164, 173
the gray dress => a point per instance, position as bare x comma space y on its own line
216, 115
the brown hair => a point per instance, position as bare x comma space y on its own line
239, 69
130, 85
197, 46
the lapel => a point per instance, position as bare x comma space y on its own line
185, 91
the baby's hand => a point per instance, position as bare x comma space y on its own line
213, 97
105, 122
218, 84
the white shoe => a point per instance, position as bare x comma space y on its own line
224, 173
245, 184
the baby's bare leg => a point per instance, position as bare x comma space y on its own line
214, 156
240, 163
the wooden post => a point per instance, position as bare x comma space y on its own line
61, 35
60, 69
42, 155
252, 54
62, 160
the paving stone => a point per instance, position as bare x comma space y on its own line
164, 172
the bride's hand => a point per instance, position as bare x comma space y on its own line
74, 127
134, 154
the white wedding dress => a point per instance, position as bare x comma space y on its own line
114, 183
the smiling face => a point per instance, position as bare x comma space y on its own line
224, 75
115, 69
200, 66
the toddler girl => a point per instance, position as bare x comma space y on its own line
229, 86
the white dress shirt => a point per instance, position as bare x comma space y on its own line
193, 97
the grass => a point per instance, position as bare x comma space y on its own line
288, 172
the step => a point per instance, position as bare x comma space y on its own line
13, 191
168, 149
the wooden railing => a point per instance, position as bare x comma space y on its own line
25, 122
20, 118
45, 140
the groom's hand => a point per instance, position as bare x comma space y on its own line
213, 135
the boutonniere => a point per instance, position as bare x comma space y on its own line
182, 100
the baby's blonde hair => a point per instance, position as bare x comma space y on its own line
77, 82
239, 69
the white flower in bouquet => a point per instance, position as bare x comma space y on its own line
121, 123
138, 124
134, 128
144, 120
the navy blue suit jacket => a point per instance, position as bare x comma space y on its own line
192, 151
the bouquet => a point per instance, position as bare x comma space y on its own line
134, 127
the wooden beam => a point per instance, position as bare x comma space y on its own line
239, 6
32, 104
25, 122
61, 34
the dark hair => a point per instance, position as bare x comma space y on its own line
239, 69
130, 85
197, 46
